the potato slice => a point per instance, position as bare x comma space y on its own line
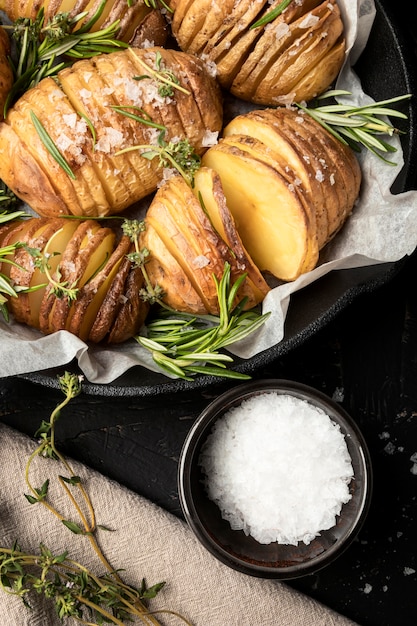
85, 252
264, 126
208, 188
26, 307
200, 256
259, 151
308, 49
132, 312
269, 216
114, 301
25, 175
91, 295
165, 272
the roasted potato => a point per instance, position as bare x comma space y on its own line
6, 74
81, 255
138, 22
293, 58
81, 114
288, 184
190, 235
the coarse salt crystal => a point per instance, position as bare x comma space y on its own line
278, 468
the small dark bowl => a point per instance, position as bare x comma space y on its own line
242, 552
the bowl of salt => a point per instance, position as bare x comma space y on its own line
275, 479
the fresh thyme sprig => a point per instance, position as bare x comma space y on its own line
358, 126
40, 46
179, 155
166, 78
75, 590
183, 344
269, 17
58, 287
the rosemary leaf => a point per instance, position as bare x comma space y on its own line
358, 126
51, 146
269, 17
185, 346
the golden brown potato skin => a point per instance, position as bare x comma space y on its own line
103, 182
107, 307
289, 184
6, 74
186, 250
293, 58
138, 22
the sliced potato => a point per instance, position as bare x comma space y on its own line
91, 295
293, 58
83, 255
165, 271
263, 125
269, 216
208, 188
78, 114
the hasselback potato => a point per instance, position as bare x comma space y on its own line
80, 114
289, 184
137, 21
292, 58
91, 288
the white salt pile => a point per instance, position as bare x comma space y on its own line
278, 467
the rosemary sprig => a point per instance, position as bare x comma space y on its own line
39, 46
358, 126
179, 155
7, 289
186, 345
183, 344
75, 590
269, 17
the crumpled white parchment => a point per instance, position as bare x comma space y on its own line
382, 228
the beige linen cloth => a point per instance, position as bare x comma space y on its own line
146, 542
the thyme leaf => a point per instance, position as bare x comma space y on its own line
74, 590
179, 155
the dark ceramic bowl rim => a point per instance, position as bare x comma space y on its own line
199, 432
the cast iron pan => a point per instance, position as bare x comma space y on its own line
387, 69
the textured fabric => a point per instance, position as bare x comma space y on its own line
146, 542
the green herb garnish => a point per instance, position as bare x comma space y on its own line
167, 80
51, 146
358, 126
269, 17
39, 46
184, 344
179, 155
74, 590
59, 288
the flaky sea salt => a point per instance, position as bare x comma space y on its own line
278, 468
